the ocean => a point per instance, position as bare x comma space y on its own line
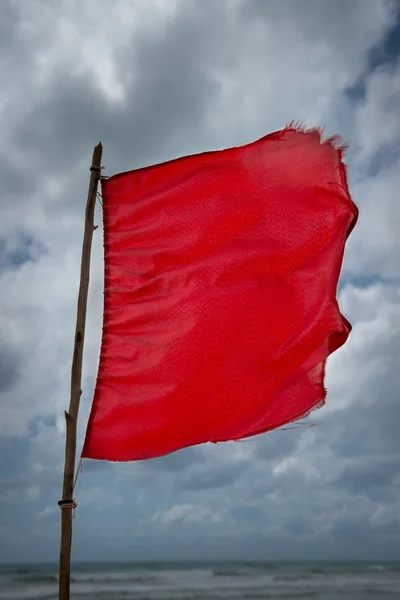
200, 581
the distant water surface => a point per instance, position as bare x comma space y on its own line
201, 581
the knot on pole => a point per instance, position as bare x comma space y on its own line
67, 504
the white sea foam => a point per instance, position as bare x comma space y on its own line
212, 582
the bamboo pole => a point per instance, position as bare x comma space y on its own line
71, 417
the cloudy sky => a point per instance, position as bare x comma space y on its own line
155, 79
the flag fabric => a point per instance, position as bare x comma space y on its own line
220, 308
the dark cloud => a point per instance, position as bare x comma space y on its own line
163, 107
176, 462
21, 248
371, 426
363, 476
277, 443
8, 26
306, 493
322, 21
65, 123
206, 476
10, 366
389, 50
90, 466
14, 180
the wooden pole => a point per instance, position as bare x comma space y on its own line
71, 417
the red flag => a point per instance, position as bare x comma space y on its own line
220, 303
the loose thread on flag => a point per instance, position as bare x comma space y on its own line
295, 425
78, 471
299, 426
335, 140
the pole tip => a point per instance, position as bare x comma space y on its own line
97, 153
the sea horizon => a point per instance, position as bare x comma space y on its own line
173, 561
205, 580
